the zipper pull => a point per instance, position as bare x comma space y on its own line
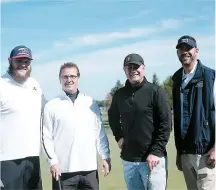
132, 99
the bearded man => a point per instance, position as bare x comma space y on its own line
194, 116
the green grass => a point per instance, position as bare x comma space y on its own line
115, 180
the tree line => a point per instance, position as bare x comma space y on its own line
166, 85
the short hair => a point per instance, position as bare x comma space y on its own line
69, 65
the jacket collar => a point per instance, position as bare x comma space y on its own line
65, 95
177, 77
68, 94
136, 87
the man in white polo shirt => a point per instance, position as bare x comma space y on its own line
21, 101
73, 134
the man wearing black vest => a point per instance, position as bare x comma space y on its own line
194, 117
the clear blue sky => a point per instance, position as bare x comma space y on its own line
98, 34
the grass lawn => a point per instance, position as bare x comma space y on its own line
115, 180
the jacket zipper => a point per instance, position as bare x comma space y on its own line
132, 99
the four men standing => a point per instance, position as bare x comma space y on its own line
139, 117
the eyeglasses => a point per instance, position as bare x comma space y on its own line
65, 77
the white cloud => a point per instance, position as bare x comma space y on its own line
93, 39
171, 23
100, 38
100, 69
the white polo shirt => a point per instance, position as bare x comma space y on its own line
20, 120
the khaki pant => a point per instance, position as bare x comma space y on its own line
198, 175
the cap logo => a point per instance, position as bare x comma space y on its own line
128, 58
185, 40
23, 51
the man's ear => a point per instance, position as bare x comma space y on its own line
142, 67
196, 51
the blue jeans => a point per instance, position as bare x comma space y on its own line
138, 176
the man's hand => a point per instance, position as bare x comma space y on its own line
121, 143
152, 161
106, 166
211, 159
55, 171
178, 162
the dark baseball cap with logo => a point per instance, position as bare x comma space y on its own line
21, 51
189, 40
133, 59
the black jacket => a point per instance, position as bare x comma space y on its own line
200, 132
142, 115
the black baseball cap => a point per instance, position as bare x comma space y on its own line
133, 58
189, 40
